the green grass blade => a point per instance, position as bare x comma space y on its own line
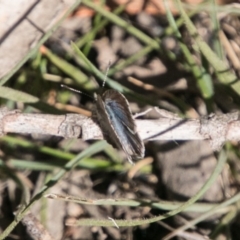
95, 148
222, 69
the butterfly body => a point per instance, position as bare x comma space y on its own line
117, 124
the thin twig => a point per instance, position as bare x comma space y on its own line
215, 128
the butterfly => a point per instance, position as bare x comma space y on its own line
117, 124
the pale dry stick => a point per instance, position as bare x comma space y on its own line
138, 165
74, 109
229, 50
190, 112
35, 229
236, 47
181, 84
215, 128
184, 234
150, 87
142, 113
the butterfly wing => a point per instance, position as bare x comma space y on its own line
105, 123
120, 117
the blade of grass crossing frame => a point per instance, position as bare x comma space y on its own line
222, 69
93, 149
136, 222
199, 72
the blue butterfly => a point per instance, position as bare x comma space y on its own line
117, 124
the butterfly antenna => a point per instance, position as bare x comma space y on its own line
74, 90
106, 73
